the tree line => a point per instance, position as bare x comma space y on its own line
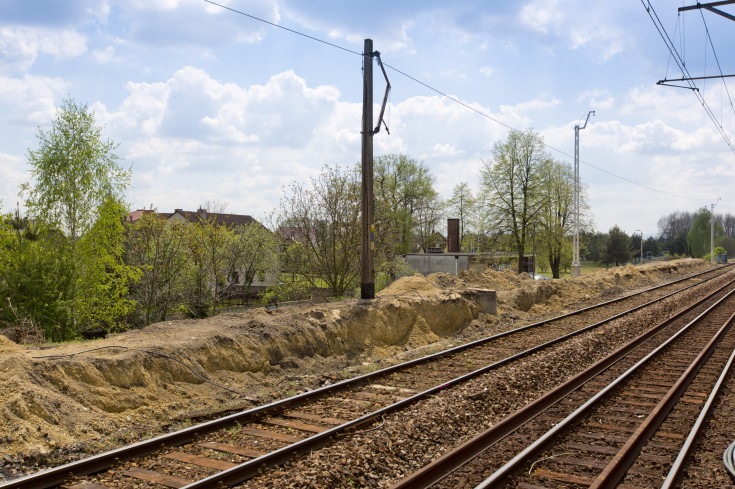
74, 263
680, 233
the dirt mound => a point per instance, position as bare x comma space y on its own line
417, 284
54, 397
145, 377
7, 346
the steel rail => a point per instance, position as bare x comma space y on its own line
626, 456
678, 466
453, 459
102, 461
250, 468
498, 478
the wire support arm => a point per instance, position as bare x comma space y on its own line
385, 97
711, 7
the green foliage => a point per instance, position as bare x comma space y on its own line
103, 277
406, 204
727, 243
555, 219
698, 237
74, 172
462, 206
255, 253
617, 249
674, 228
512, 186
719, 250
287, 291
206, 274
35, 278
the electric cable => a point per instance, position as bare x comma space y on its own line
284, 28
481, 113
144, 351
684, 70
717, 60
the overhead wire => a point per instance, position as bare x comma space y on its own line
477, 111
717, 60
284, 28
684, 70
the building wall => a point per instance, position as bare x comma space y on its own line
427, 263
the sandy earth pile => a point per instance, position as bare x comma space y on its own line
57, 396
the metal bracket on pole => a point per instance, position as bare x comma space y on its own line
711, 7
385, 97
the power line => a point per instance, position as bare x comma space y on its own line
682, 66
284, 28
545, 144
717, 59
453, 99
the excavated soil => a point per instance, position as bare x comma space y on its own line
53, 397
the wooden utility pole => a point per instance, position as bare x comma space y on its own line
367, 285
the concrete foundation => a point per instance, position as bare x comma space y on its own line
488, 300
576, 270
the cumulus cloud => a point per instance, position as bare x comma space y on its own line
577, 25
20, 46
33, 98
12, 168
176, 22
104, 56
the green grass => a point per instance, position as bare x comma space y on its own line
587, 267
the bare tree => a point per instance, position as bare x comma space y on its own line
320, 224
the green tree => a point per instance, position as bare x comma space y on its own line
617, 249
555, 218
73, 171
512, 185
320, 224
35, 277
403, 188
698, 237
597, 244
103, 278
427, 220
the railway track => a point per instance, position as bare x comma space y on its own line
237, 447
626, 421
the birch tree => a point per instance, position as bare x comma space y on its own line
512, 186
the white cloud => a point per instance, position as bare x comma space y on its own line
577, 24
32, 97
104, 56
177, 22
598, 99
486, 70
12, 168
20, 46
542, 15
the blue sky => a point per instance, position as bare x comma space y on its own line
209, 105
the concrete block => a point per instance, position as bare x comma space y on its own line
488, 300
